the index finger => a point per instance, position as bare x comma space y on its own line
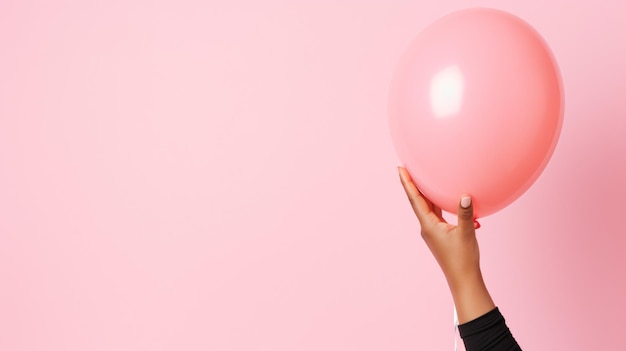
418, 202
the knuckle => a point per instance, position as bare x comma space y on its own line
466, 215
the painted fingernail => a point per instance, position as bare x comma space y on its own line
466, 201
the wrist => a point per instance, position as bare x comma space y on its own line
461, 279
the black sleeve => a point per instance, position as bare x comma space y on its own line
488, 332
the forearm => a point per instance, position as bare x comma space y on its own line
470, 295
481, 324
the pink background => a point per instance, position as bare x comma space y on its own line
195, 175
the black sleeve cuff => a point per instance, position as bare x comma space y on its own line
488, 332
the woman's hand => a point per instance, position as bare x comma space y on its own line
455, 248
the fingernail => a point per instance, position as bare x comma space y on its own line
466, 201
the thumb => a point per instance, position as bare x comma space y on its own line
465, 213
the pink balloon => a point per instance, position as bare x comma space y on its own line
476, 108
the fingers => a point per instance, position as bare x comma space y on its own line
437, 212
418, 202
465, 214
